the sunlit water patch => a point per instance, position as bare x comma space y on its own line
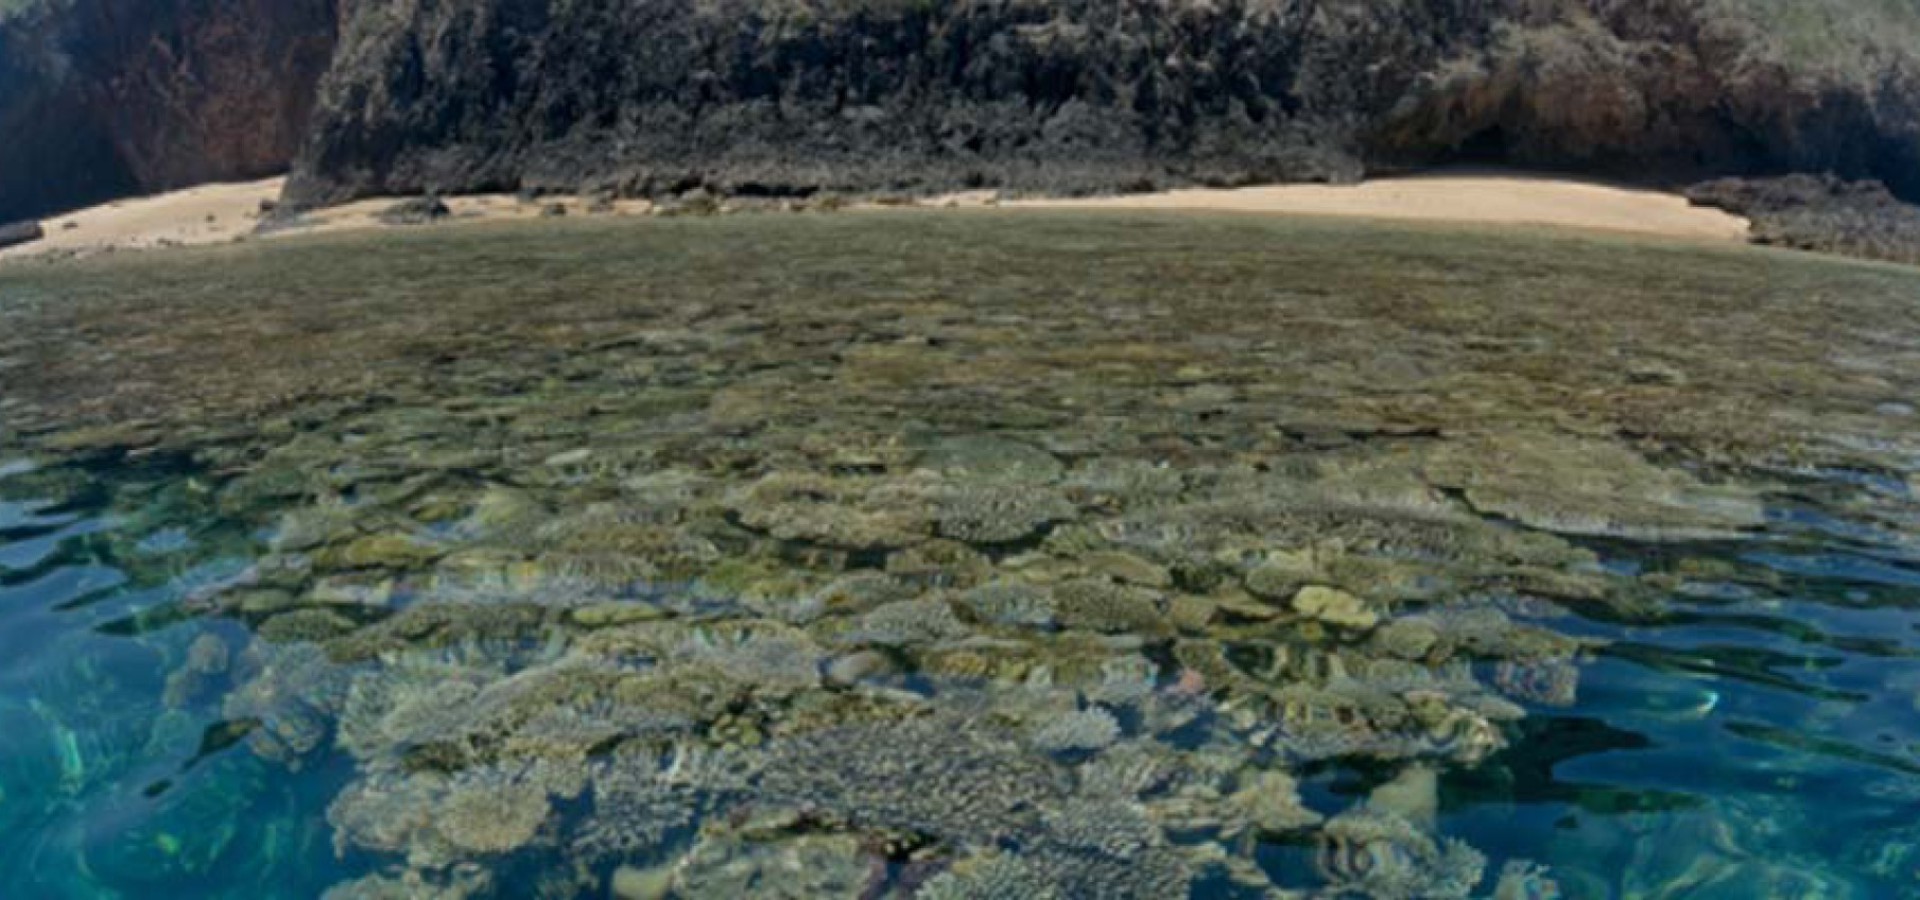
869, 575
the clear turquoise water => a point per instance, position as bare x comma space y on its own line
1771, 732
687, 467
109, 787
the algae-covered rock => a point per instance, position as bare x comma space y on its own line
1281, 575
1126, 567
1334, 607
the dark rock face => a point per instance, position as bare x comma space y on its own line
775, 98
17, 233
1071, 96
106, 98
1672, 88
1823, 213
765, 98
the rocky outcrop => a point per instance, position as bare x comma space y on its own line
1679, 88
795, 97
754, 97
17, 233
1821, 213
106, 98
1073, 96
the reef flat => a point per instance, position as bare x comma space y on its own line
970, 555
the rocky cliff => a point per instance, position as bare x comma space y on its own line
102, 98
797, 96
105, 98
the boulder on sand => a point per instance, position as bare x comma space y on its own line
20, 233
416, 211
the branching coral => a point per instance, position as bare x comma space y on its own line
495, 809
1099, 605
993, 514
1011, 603
1382, 856
775, 662
942, 777
1086, 729
293, 692
1000, 876
832, 512
1108, 827
392, 813
1124, 681
1269, 803
1388, 718
775, 867
463, 882
910, 622
639, 798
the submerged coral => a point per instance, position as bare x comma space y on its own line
495, 809
1000, 876
1087, 729
1382, 856
1061, 591
944, 778
641, 797
1581, 486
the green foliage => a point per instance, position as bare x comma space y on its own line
1849, 37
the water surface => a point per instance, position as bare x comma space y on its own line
959, 556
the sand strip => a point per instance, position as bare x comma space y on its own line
222, 213
1478, 199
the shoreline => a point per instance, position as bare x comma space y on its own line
229, 213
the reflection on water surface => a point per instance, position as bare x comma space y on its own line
954, 557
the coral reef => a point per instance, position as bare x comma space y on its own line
1825, 213
1086, 729
1381, 856
1107, 596
950, 779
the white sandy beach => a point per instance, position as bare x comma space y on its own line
222, 213
1486, 199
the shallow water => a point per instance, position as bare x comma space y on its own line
959, 557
